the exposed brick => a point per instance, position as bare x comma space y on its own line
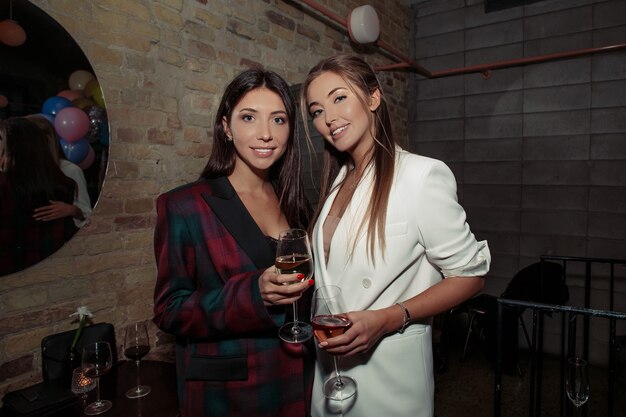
280, 20
15, 367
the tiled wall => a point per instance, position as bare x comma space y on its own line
539, 151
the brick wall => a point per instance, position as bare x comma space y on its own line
162, 65
539, 150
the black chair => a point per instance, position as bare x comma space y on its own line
55, 349
542, 282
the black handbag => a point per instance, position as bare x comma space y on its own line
46, 399
55, 349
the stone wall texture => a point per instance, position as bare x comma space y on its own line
162, 65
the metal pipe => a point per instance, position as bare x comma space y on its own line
484, 69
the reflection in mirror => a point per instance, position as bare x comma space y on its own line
47, 82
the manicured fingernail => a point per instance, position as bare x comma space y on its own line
323, 344
311, 282
300, 276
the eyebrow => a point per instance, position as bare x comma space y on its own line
251, 110
328, 95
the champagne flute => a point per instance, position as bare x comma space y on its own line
577, 382
97, 360
293, 255
328, 320
136, 346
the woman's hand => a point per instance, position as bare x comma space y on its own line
366, 330
280, 289
57, 210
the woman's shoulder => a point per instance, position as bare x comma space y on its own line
208, 187
408, 161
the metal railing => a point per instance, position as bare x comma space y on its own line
567, 350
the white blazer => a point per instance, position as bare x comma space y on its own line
426, 237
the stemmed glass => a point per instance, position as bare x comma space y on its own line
328, 320
81, 384
136, 346
577, 382
97, 360
293, 255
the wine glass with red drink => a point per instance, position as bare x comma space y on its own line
97, 360
328, 320
293, 255
136, 346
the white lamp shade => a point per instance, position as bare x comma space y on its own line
363, 24
11, 33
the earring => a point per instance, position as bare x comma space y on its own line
229, 138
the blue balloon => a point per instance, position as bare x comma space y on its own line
55, 104
77, 151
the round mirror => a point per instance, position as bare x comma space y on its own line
45, 76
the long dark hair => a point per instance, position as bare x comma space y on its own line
32, 171
285, 173
361, 78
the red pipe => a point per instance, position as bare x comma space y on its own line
485, 69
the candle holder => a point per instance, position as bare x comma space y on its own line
82, 384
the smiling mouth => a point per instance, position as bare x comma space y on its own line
263, 151
338, 130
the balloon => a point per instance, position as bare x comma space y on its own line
91, 87
104, 134
97, 119
71, 94
79, 78
91, 156
55, 104
4, 101
98, 96
11, 33
71, 123
75, 152
81, 103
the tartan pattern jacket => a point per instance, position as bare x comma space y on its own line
230, 361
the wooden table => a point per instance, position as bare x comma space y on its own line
162, 401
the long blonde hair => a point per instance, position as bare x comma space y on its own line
361, 78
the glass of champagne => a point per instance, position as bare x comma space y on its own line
136, 346
328, 320
293, 255
96, 361
577, 382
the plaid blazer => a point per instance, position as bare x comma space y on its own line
230, 361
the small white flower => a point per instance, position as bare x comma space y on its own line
81, 312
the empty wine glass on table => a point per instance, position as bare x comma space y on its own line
328, 320
577, 382
136, 346
97, 360
293, 255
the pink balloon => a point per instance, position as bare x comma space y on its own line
86, 163
71, 94
71, 123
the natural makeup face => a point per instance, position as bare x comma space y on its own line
340, 116
259, 129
